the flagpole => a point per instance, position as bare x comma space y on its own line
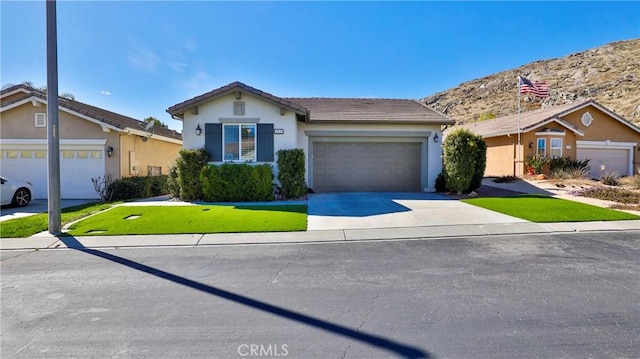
519, 147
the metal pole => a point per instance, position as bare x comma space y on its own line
519, 147
53, 130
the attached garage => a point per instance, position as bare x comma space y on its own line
366, 166
606, 157
79, 163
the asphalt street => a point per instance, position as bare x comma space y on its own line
527, 296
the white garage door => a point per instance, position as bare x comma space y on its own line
78, 165
363, 167
605, 160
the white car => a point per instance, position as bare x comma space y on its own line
15, 192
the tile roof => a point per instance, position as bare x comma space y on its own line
107, 117
358, 110
533, 119
370, 110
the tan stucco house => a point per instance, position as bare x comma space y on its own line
580, 130
93, 142
351, 144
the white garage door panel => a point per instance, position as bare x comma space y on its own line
613, 159
361, 167
75, 172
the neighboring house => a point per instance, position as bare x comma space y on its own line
350, 144
93, 142
579, 130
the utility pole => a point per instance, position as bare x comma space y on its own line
53, 130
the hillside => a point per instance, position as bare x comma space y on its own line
609, 74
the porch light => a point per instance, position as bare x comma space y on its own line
435, 138
198, 130
109, 151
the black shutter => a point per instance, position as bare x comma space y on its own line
213, 141
265, 142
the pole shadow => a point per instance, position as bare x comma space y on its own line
403, 350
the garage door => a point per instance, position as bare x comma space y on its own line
363, 167
77, 167
613, 159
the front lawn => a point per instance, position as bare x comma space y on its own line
535, 208
124, 220
28, 226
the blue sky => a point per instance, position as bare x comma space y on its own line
138, 58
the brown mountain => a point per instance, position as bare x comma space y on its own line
609, 74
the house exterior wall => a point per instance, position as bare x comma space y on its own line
500, 156
220, 110
136, 156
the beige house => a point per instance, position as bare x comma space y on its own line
579, 130
93, 142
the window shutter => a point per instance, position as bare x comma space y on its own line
265, 142
213, 141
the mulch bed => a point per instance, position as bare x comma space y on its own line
483, 191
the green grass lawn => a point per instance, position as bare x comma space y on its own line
535, 208
28, 226
123, 220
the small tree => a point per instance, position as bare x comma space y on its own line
463, 154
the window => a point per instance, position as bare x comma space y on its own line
12, 154
83, 154
41, 119
41, 154
26, 154
67, 154
154, 171
239, 142
541, 150
556, 147
586, 119
96, 154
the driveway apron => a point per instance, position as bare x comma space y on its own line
389, 210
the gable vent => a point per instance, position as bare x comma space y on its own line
238, 108
41, 119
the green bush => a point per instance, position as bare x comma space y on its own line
441, 185
138, 187
610, 179
237, 183
568, 164
291, 173
536, 162
464, 160
188, 166
173, 185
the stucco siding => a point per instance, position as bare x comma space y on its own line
500, 156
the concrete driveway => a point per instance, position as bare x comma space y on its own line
37, 206
389, 210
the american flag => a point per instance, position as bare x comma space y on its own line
537, 88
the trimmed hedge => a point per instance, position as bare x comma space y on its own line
188, 166
237, 183
137, 187
291, 173
465, 158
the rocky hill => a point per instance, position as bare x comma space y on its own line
609, 74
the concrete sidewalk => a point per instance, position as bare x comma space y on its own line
45, 241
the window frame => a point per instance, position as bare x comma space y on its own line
552, 148
241, 158
544, 147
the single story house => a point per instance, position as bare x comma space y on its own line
93, 142
351, 144
580, 130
